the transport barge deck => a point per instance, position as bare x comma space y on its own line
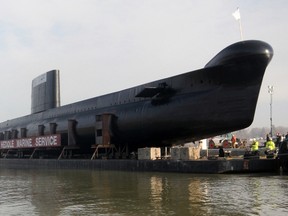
216, 166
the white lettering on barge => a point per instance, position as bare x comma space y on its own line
32, 142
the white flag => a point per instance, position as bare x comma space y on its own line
236, 14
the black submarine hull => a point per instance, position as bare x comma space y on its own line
217, 99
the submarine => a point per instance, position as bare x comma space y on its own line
217, 99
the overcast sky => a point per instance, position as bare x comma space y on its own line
101, 46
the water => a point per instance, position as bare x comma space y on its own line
82, 192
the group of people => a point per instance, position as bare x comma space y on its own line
269, 145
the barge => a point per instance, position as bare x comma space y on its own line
175, 166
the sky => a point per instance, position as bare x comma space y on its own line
102, 46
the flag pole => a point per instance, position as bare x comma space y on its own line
237, 16
241, 31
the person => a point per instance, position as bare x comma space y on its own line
255, 147
221, 151
243, 145
278, 139
233, 141
267, 137
270, 146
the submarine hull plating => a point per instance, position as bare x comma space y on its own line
217, 99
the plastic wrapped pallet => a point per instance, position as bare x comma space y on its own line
175, 153
149, 153
190, 153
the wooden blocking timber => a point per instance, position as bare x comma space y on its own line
53, 127
41, 129
23, 132
104, 129
72, 132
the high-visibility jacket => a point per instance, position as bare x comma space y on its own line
270, 145
254, 146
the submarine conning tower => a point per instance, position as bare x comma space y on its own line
45, 92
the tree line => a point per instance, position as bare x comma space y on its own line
249, 133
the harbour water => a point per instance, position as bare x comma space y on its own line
87, 192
